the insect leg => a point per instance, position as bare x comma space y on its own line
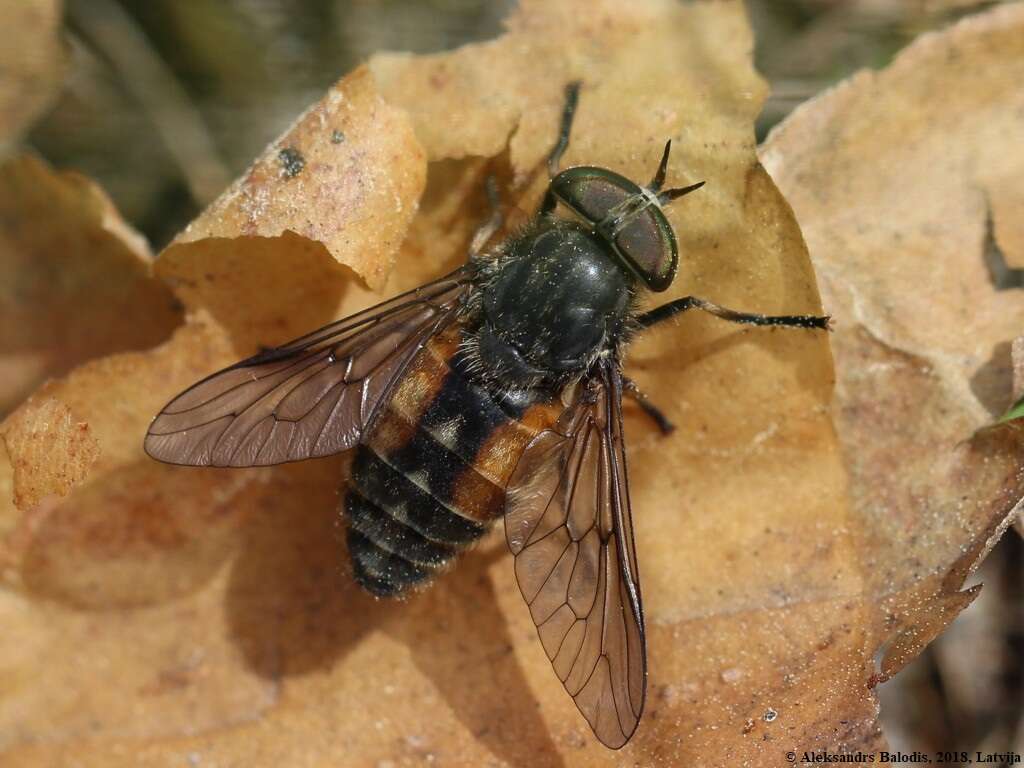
572, 97
673, 308
630, 388
486, 230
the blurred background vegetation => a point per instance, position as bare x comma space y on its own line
166, 102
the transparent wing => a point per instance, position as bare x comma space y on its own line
568, 524
310, 397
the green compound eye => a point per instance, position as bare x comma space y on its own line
644, 242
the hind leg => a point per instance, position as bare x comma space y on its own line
662, 421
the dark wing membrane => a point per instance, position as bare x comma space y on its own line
568, 524
311, 397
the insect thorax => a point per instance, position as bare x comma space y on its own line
551, 300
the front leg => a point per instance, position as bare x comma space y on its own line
572, 97
486, 230
673, 308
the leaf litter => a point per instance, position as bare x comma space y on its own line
222, 596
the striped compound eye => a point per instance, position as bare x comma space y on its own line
630, 217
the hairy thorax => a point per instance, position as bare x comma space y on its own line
552, 300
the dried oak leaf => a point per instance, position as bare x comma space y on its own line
906, 184
75, 280
750, 572
126, 566
55, 448
762, 614
347, 175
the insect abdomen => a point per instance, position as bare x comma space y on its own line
398, 535
430, 477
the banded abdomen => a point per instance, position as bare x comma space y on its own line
430, 477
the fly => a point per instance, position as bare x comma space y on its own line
494, 391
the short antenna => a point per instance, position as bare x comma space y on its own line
674, 194
659, 177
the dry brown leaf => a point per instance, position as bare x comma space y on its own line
122, 568
761, 615
45, 431
32, 63
135, 532
750, 624
75, 280
223, 259
348, 174
899, 194
128, 565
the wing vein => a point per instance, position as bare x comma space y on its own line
199, 426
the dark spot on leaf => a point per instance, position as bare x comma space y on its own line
1003, 276
992, 383
292, 162
337, 137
